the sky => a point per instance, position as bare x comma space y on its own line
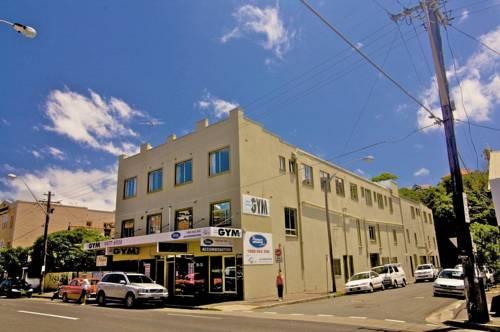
102, 77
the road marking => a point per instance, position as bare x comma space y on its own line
419, 297
195, 316
395, 320
248, 311
324, 315
270, 312
47, 315
357, 317
296, 314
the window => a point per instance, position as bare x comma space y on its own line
430, 218
412, 209
371, 233
130, 188
418, 212
336, 267
368, 197
107, 229
435, 243
128, 228
374, 196
378, 235
89, 223
291, 166
325, 180
219, 161
290, 221
380, 201
408, 236
155, 180
416, 239
391, 209
354, 192
154, 224
385, 200
362, 192
339, 187
395, 236
307, 174
358, 228
425, 217
220, 214
184, 172
282, 164
183, 219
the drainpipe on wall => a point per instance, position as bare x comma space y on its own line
299, 210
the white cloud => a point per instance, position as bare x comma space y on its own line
36, 154
265, 21
463, 16
55, 152
360, 171
92, 120
480, 85
359, 45
219, 107
422, 172
5, 122
94, 188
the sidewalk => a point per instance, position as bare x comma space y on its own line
43, 295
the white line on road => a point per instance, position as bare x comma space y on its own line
324, 315
248, 311
270, 312
395, 320
47, 315
419, 297
296, 314
195, 316
357, 317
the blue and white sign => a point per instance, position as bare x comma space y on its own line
258, 248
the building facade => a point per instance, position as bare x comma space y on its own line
494, 181
220, 211
21, 223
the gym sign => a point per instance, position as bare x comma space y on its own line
256, 205
123, 251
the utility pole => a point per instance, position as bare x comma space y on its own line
476, 298
45, 238
326, 184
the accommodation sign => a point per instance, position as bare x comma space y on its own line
256, 205
258, 248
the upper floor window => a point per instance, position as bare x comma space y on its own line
220, 214
325, 181
128, 228
416, 238
183, 219
408, 235
395, 236
391, 208
368, 197
358, 228
154, 223
155, 180
425, 217
430, 218
130, 187
371, 233
354, 192
292, 166
184, 172
307, 174
290, 221
219, 161
412, 209
282, 161
339, 187
380, 201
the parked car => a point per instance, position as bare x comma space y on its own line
15, 288
449, 282
478, 272
426, 272
73, 290
366, 281
392, 275
129, 288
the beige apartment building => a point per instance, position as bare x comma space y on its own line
219, 211
21, 223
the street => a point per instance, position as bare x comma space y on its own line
398, 309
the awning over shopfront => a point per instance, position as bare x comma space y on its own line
177, 236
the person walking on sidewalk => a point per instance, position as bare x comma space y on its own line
280, 280
85, 287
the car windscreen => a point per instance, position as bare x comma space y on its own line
138, 279
360, 276
423, 267
381, 269
448, 274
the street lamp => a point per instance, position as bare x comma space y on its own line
326, 183
25, 30
47, 213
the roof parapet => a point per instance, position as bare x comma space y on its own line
145, 147
171, 138
201, 124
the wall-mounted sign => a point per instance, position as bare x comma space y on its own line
256, 205
123, 251
101, 260
216, 245
171, 247
258, 248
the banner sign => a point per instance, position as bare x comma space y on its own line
216, 245
101, 260
256, 205
258, 248
123, 251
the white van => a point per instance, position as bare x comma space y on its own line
393, 274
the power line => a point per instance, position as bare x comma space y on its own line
478, 125
370, 61
476, 39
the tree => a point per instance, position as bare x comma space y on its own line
65, 251
384, 176
13, 260
487, 240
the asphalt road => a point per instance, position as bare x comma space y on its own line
412, 304
41, 315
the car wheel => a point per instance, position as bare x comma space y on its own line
101, 299
404, 282
29, 295
129, 300
65, 297
382, 287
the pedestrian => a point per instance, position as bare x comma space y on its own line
83, 295
280, 280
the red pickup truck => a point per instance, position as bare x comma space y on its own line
73, 290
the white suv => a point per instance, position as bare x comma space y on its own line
425, 272
129, 288
392, 275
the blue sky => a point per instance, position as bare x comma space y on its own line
103, 76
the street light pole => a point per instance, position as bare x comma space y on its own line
25, 30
